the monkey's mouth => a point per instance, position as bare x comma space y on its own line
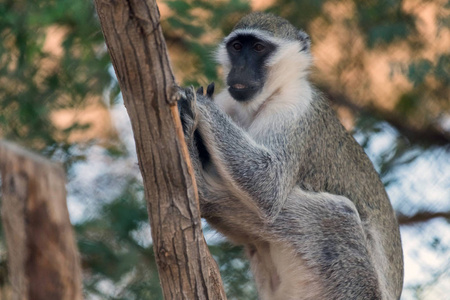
239, 86
242, 92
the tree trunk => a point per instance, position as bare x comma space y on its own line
139, 55
43, 260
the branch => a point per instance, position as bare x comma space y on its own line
138, 52
420, 217
431, 135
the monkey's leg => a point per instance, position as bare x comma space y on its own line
326, 232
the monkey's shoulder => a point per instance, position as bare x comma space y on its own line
339, 154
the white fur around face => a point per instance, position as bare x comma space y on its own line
286, 90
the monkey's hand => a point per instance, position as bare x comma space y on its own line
187, 106
188, 111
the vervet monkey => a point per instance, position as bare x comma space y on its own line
279, 174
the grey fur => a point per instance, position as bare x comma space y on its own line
305, 185
275, 25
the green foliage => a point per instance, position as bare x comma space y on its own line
408, 103
35, 82
298, 15
194, 20
112, 248
383, 21
418, 70
431, 83
442, 70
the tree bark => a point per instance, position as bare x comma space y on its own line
43, 260
139, 55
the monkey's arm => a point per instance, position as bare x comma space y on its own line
261, 173
200, 158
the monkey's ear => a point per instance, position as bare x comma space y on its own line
305, 40
210, 90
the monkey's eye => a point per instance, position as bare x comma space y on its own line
259, 47
237, 46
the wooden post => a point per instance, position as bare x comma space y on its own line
43, 260
139, 55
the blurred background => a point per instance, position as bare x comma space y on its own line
385, 66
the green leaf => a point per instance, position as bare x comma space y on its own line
417, 71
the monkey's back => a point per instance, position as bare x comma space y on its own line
357, 180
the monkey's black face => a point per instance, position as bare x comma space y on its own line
248, 56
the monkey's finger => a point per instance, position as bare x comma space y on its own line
210, 90
183, 107
180, 97
200, 90
186, 102
191, 98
